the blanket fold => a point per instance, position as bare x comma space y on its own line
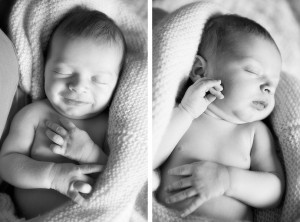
30, 25
175, 42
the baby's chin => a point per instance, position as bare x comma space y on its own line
78, 116
235, 117
75, 114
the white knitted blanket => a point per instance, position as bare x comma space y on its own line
175, 42
116, 191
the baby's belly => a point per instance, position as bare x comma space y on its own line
223, 207
34, 202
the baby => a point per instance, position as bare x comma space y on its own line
217, 126
84, 58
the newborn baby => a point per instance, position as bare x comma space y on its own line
218, 124
83, 63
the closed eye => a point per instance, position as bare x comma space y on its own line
63, 73
102, 78
253, 71
100, 81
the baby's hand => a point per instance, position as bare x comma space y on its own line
196, 98
71, 180
70, 141
203, 180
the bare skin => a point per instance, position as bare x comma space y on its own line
192, 148
31, 202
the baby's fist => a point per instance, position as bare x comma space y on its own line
196, 99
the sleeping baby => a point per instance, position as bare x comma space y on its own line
218, 126
54, 144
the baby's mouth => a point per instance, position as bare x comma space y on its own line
260, 104
72, 101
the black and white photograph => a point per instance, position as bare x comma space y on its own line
73, 110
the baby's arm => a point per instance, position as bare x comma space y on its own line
16, 167
263, 186
260, 187
193, 104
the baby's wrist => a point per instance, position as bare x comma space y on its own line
51, 176
184, 109
95, 155
227, 181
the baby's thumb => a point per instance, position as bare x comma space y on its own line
82, 187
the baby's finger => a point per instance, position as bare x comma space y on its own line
183, 170
182, 195
58, 149
77, 198
218, 85
90, 168
216, 93
56, 128
210, 98
180, 184
194, 206
55, 137
82, 187
206, 84
67, 124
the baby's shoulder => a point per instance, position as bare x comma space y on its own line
33, 110
258, 126
255, 127
259, 130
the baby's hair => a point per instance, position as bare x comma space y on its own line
220, 32
86, 23
219, 35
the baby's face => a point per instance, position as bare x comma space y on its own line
249, 75
81, 75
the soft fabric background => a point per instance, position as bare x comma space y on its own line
175, 40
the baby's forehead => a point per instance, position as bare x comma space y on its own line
241, 44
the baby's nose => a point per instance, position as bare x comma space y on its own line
267, 88
78, 85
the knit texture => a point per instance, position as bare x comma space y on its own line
175, 41
115, 192
7, 209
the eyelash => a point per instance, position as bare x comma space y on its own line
60, 73
252, 72
99, 81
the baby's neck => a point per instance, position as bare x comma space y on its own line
214, 118
211, 114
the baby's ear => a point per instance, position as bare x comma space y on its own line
198, 69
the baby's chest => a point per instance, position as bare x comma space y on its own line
40, 149
228, 147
